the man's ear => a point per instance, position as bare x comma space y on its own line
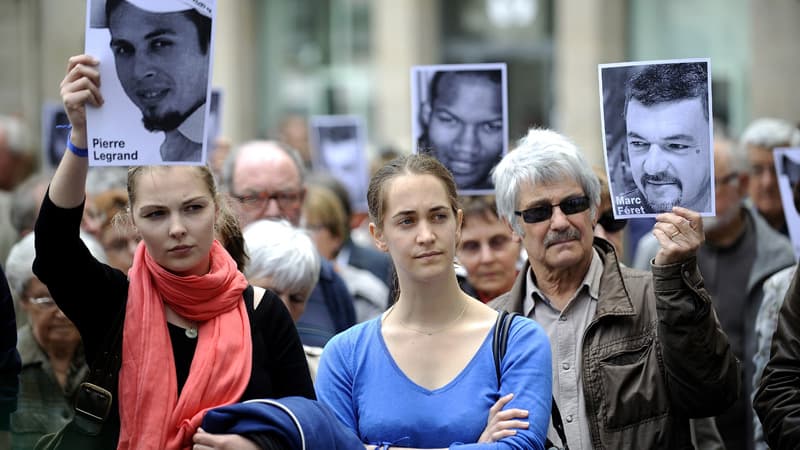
516, 237
377, 237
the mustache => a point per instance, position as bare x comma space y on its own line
660, 178
560, 236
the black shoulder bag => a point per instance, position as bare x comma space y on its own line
499, 344
88, 429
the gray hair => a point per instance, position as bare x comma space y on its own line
17, 135
730, 149
541, 157
229, 164
105, 178
282, 252
19, 264
768, 133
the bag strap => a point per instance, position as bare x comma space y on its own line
94, 397
500, 339
499, 345
555, 416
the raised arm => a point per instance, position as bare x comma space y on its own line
704, 376
83, 287
80, 86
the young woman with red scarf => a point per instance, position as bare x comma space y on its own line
195, 334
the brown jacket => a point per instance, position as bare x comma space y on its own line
653, 355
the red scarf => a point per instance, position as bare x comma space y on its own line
152, 414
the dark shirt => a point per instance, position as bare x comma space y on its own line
329, 310
10, 364
726, 271
44, 405
87, 291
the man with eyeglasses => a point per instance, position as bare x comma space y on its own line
740, 252
635, 355
266, 180
758, 141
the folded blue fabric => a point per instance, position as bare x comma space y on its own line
304, 424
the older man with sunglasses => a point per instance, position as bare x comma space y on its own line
635, 354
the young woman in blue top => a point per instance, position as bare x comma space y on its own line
422, 375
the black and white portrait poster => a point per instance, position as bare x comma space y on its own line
155, 60
55, 130
787, 167
339, 147
459, 114
658, 136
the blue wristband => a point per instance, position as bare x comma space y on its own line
81, 152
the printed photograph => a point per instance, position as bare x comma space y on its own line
656, 120
787, 166
55, 131
339, 147
155, 60
459, 115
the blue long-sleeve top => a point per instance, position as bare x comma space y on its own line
360, 381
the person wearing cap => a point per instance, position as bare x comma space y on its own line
161, 53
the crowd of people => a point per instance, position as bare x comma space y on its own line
258, 310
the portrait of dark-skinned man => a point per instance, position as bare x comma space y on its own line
463, 125
162, 61
668, 138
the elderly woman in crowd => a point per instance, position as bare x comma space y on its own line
488, 250
53, 362
284, 259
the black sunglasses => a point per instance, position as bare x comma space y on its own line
610, 224
541, 213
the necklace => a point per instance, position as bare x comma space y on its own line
435, 331
191, 332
